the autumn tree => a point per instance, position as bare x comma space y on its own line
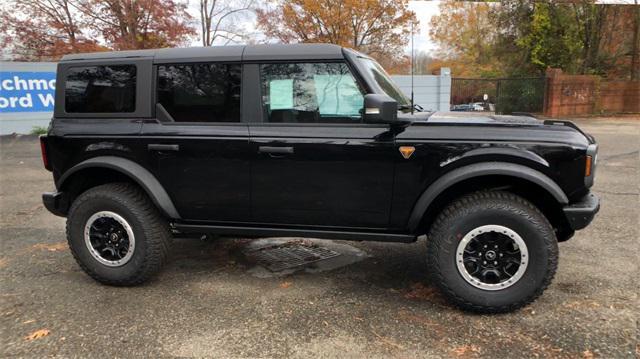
47, 29
44, 29
139, 24
523, 38
465, 35
580, 37
380, 28
217, 20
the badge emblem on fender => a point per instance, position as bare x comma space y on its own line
406, 151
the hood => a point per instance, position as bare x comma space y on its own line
487, 126
478, 118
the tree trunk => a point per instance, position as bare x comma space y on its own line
635, 46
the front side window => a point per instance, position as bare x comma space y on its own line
200, 92
385, 82
310, 93
100, 89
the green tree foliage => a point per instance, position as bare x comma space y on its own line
552, 39
523, 38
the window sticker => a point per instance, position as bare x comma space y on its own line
281, 94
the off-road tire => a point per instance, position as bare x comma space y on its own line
151, 230
491, 208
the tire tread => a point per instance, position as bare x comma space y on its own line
155, 227
489, 200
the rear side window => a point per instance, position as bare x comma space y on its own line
200, 92
100, 89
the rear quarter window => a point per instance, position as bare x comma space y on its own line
100, 89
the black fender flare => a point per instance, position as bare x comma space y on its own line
139, 174
477, 170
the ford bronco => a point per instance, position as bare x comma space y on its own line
311, 141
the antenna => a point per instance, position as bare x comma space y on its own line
412, 104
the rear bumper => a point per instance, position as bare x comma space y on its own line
55, 202
580, 213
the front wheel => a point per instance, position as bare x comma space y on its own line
117, 235
492, 252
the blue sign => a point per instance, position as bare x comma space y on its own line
27, 91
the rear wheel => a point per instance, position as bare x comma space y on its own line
117, 235
492, 252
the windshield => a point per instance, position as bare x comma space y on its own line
385, 82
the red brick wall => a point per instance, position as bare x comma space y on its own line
619, 96
574, 95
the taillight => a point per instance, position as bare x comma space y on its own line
43, 150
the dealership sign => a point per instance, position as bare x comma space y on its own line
27, 91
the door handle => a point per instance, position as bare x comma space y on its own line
162, 147
275, 150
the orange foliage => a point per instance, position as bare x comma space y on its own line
45, 30
41, 30
378, 28
141, 24
465, 35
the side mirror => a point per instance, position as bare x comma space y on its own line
380, 109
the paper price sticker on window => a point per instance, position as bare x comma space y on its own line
281, 94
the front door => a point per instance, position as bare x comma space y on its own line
314, 162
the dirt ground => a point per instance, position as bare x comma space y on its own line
208, 302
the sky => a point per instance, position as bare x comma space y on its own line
424, 11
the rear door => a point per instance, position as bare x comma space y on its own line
197, 146
314, 163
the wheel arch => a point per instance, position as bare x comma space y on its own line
113, 169
529, 183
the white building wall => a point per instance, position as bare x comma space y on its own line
432, 92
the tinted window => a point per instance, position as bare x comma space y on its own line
200, 92
97, 89
310, 93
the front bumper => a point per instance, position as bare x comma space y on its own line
580, 213
56, 203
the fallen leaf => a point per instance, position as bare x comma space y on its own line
51, 247
419, 291
28, 321
285, 285
387, 341
580, 304
465, 350
588, 354
37, 334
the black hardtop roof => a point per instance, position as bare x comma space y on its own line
221, 53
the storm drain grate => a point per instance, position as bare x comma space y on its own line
289, 255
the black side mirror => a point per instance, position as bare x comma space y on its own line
380, 109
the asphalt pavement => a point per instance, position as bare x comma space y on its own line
210, 302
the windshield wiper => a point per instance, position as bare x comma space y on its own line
416, 107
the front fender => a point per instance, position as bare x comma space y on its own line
477, 170
139, 174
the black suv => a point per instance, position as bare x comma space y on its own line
312, 141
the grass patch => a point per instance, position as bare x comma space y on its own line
38, 130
